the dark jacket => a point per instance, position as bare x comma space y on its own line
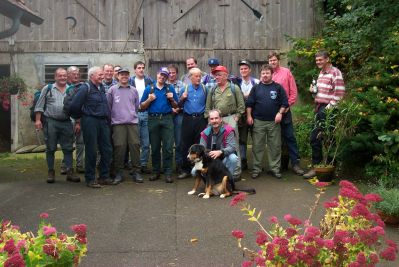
225, 140
91, 102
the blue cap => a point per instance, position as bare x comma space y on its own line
213, 61
164, 71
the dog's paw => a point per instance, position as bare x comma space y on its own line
192, 192
201, 194
205, 196
222, 196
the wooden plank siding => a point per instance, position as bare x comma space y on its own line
169, 31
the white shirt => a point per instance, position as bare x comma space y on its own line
140, 86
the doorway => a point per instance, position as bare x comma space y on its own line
5, 117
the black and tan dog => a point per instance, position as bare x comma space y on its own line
213, 173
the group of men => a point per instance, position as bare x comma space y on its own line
119, 119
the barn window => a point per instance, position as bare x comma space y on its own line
49, 70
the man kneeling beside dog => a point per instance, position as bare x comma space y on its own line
215, 159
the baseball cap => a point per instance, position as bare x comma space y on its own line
213, 61
123, 70
244, 62
164, 71
220, 68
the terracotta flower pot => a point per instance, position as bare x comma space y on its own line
325, 173
388, 219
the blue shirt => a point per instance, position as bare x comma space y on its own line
161, 104
196, 99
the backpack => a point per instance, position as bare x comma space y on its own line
36, 97
153, 88
71, 92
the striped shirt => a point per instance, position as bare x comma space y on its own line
54, 103
330, 87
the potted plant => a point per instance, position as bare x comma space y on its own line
388, 208
11, 85
340, 124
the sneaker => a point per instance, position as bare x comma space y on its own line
118, 177
51, 176
63, 170
145, 170
137, 178
72, 177
93, 184
311, 173
298, 170
168, 179
255, 175
276, 175
107, 181
155, 177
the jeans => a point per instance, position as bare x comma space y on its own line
177, 121
58, 132
96, 136
288, 137
144, 138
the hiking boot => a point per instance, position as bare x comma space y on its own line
145, 170
63, 169
237, 177
179, 170
298, 170
311, 173
72, 177
80, 169
51, 176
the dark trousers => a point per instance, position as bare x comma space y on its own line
161, 135
288, 138
243, 130
190, 134
316, 141
58, 132
96, 135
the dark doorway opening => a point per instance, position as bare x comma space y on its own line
5, 118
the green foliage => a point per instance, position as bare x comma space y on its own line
362, 37
303, 119
390, 203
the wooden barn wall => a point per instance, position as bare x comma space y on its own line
168, 30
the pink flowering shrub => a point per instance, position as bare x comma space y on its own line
48, 248
348, 235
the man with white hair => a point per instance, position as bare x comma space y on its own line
192, 101
92, 106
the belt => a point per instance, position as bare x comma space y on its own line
194, 114
158, 114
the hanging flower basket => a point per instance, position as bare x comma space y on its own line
12, 85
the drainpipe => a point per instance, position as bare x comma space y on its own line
16, 22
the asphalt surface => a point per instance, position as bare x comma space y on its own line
155, 223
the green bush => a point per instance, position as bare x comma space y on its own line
362, 37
